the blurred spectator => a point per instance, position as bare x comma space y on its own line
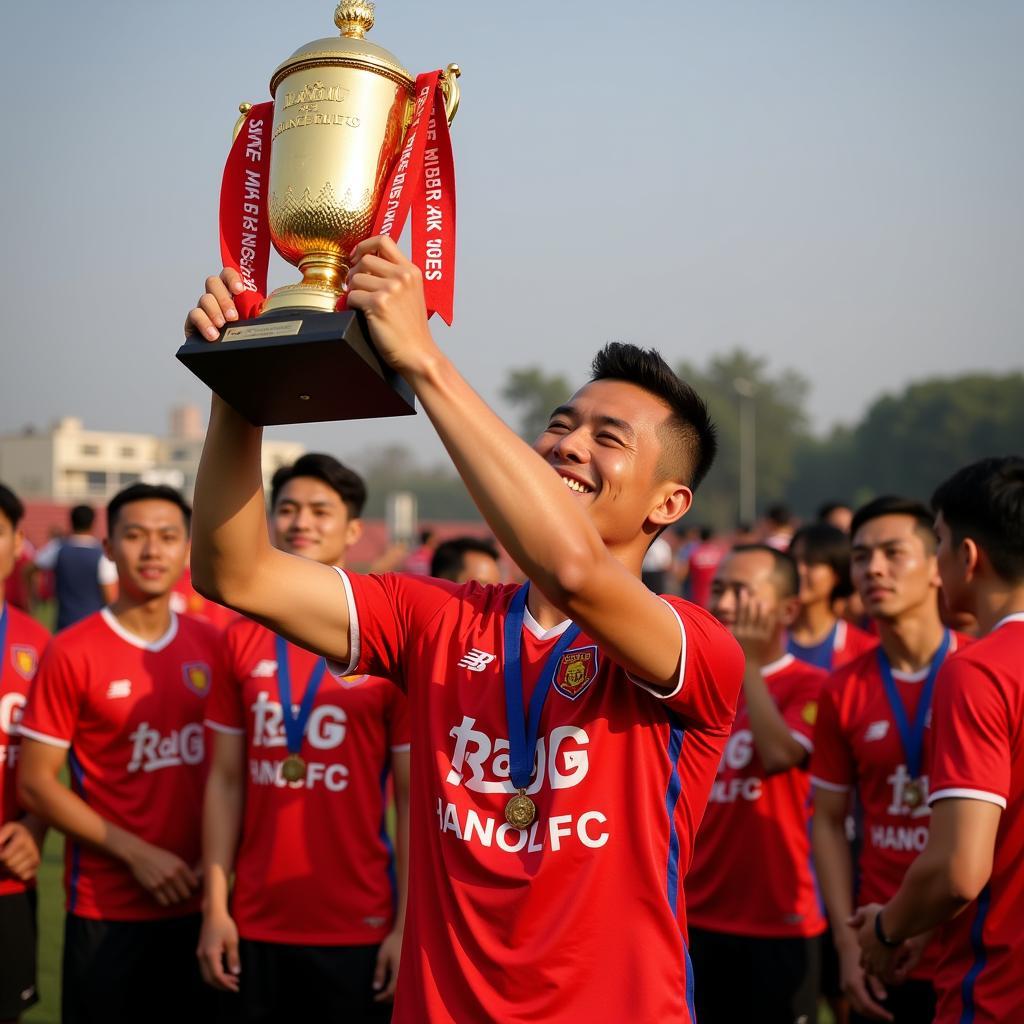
84, 578
418, 562
463, 559
777, 527
703, 563
656, 565
837, 514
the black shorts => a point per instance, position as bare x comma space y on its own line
17, 954
281, 982
124, 972
913, 1002
737, 978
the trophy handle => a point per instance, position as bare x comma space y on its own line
243, 110
450, 90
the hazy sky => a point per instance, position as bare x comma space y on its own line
836, 186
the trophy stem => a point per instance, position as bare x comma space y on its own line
319, 289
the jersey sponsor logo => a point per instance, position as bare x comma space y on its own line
897, 804
267, 772
561, 759
876, 731
544, 834
738, 755
476, 660
576, 670
901, 838
11, 706
153, 751
197, 677
25, 660
265, 669
325, 729
119, 688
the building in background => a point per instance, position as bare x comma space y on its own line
68, 463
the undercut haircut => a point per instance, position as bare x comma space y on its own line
689, 441
784, 569
450, 557
345, 482
985, 501
82, 517
11, 506
146, 492
894, 505
824, 544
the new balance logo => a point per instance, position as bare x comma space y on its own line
877, 731
265, 669
476, 660
119, 688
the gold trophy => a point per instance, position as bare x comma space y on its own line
341, 109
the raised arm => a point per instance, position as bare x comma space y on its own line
233, 561
529, 508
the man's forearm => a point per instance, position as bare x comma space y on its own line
926, 898
772, 738
222, 825
518, 494
229, 524
834, 864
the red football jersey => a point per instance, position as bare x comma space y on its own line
857, 744
581, 916
978, 754
131, 715
25, 643
315, 864
757, 826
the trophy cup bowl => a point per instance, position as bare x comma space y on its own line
341, 109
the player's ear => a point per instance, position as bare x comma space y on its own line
353, 532
789, 609
19, 542
108, 548
675, 502
970, 558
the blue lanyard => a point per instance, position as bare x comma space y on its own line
522, 734
3, 639
295, 722
912, 736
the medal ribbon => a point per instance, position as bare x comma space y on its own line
522, 734
295, 722
912, 736
3, 638
422, 181
244, 196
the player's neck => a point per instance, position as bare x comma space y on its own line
149, 619
544, 612
814, 624
910, 642
993, 604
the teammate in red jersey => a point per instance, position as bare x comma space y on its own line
550, 852
818, 636
22, 642
970, 877
314, 898
752, 898
872, 739
120, 696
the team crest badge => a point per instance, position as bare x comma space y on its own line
810, 712
25, 661
197, 677
576, 670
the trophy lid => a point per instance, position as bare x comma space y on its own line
354, 19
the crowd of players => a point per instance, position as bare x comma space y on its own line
259, 833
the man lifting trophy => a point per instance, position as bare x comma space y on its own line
350, 146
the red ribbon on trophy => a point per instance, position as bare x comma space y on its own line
422, 181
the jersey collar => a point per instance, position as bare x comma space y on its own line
1012, 617
538, 631
136, 641
777, 666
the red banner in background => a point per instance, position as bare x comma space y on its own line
244, 195
422, 181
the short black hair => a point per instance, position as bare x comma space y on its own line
824, 544
826, 509
785, 571
779, 514
82, 518
450, 556
894, 505
146, 492
345, 482
707, 532
11, 506
985, 501
689, 441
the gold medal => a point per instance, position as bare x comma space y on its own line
520, 810
293, 768
912, 795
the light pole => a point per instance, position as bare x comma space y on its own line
748, 473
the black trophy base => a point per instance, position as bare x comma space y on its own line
298, 366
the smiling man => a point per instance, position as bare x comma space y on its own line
550, 852
120, 697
